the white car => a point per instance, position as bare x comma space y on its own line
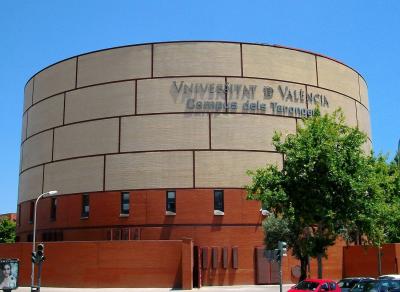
390, 276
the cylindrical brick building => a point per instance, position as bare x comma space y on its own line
153, 141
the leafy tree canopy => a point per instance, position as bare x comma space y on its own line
327, 186
7, 231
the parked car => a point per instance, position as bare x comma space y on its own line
317, 285
381, 285
390, 276
347, 283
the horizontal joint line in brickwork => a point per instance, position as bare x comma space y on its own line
148, 151
187, 76
148, 225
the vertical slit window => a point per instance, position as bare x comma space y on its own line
53, 209
19, 214
85, 206
125, 205
31, 211
219, 200
171, 201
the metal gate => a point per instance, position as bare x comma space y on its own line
267, 272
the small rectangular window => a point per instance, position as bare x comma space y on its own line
171, 202
219, 202
53, 209
125, 205
19, 214
31, 211
85, 206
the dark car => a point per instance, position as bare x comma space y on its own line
317, 285
382, 285
347, 283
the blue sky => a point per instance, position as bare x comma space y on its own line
34, 34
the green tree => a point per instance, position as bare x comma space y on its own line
7, 231
320, 187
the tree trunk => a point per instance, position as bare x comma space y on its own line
303, 268
319, 261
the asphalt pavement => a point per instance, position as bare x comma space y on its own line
250, 288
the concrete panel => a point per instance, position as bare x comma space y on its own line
279, 63
75, 176
55, 79
37, 149
23, 126
149, 170
28, 94
96, 137
364, 92
335, 101
364, 123
164, 132
247, 132
228, 168
248, 92
171, 94
338, 77
115, 64
108, 100
177, 59
46, 114
30, 184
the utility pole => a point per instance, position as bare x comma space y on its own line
282, 252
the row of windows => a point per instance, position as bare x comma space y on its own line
170, 206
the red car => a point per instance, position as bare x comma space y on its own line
317, 285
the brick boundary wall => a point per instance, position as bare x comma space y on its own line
153, 263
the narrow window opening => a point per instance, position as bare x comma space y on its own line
85, 206
125, 203
53, 209
171, 203
31, 211
218, 202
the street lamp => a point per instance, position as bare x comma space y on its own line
50, 193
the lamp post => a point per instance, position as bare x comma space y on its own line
51, 193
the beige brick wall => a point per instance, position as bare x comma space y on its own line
364, 123
245, 132
28, 94
165, 132
74, 176
336, 100
23, 126
364, 92
37, 149
30, 184
160, 96
279, 63
338, 77
178, 59
95, 137
149, 170
280, 94
55, 79
46, 114
157, 123
102, 101
115, 64
228, 168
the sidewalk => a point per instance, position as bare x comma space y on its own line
251, 288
